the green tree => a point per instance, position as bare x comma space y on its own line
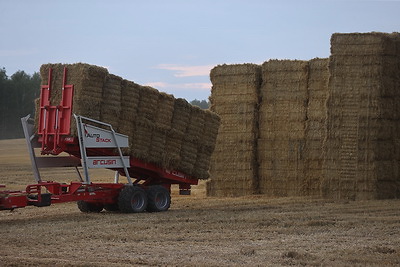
202, 104
17, 95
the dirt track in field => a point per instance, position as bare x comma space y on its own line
196, 230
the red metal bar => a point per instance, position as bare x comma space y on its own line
105, 193
54, 121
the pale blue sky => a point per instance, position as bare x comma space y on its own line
172, 45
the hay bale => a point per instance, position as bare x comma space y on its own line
373, 43
148, 101
363, 88
315, 130
129, 107
162, 130
111, 101
88, 81
165, 111
282, 124
234, 96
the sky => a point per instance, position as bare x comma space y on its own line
173, 44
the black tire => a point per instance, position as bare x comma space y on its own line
111, 207
159, 198
132, 199
89, 207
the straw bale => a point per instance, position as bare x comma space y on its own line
37, 113
148, 100
173, 147
221, 106
194, 131
129, 107
224, 188
202, 164
165, 110
162, 130
282, 124
111, 101
238, 145
181, 115
188, 156
88, 81
231, 74
157, 150
374, 43
211, 126
234, 96
235, 123
362, 116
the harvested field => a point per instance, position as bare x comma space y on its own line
197, 230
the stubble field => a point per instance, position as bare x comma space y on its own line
197, 230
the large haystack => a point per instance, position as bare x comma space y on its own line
234, 97
162, 130
362, 142
282, 116
325, 127
318, 76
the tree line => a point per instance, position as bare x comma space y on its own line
17, 95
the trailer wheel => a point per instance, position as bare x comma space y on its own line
89, 207
132, 199
159, 198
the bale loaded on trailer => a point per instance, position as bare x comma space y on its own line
95, 144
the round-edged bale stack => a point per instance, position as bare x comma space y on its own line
361, 121
234, 97
282, 116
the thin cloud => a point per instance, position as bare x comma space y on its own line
186, 71
16, 52
157, 84
180, 86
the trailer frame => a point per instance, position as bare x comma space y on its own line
53, 137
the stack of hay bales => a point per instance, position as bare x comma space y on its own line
234, 97
282, 117
111, 100
162, 130
315, 125
91, 78
362, 142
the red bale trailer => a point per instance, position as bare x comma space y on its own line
148, 186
